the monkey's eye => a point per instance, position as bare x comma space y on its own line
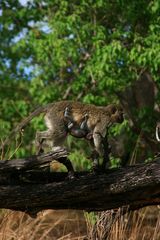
114, 110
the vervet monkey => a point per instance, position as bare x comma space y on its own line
96, 118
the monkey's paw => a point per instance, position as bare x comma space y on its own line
71, 175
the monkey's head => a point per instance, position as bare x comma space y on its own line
116, 112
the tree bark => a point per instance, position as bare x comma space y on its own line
24, 188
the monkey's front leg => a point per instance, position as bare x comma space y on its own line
101, 145
98, 150
106, 162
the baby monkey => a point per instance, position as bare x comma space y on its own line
77, 130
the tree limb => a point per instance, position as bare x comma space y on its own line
35, 190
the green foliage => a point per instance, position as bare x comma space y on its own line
79, 160
85, 50
91, 218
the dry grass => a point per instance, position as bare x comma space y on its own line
55, 225
71, 225
140, 225
143, 224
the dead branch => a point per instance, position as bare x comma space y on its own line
26, 187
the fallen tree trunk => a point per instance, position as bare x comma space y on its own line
33, 191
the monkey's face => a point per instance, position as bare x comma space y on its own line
120, 113
117, 113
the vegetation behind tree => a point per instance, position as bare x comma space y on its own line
91, 51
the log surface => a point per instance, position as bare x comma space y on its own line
33, 190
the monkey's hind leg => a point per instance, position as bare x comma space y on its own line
40, 137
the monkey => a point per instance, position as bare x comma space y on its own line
96, 118
157, 131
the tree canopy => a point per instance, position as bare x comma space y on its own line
90, 51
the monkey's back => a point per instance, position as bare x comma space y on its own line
77, 111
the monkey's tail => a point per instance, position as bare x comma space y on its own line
24, 122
